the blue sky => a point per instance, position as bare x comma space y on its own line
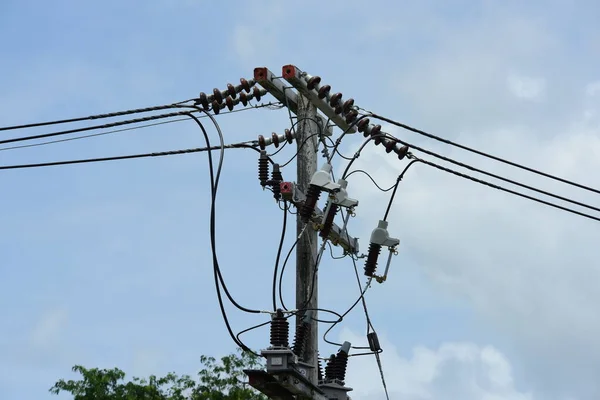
490, 297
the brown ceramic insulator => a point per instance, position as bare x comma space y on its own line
338, 109
335, 99
216, 107
275, 139
377, 140
218, 95
244, 98
351, 116
390, 145
245, 84
289, 136
402, 152
231, 90
362, 124
229, 103
261, 142
256, 93
204, 100
376, 130
324, 91
313, 82
348, 105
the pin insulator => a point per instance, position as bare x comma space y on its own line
231, 90
245, 85
335, 99
289, 136
244, 98
324, 91
204, 100
229, 102
256, 93
313, 82
362, 125
348, 105
218, 96
275, 139
216, 107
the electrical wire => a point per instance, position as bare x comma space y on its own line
371, 178
278, 257
481, 153
339, 139
400, 177
125, 157
494, 186
484, 173
128, 129
97, 116
495, 176
94, 127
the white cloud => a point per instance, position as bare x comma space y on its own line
527, 88
452, 371
529, 270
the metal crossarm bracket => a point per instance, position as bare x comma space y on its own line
298, 80
337, 236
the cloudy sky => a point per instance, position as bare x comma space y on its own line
490, 297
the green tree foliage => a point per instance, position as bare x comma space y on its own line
224, 380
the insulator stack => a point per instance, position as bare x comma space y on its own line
328, 222
279, 330
276, 139
312, 196
300, 339
263, 168
339, 366
319, 369
231, 96
372, 256
330, 368
276, 179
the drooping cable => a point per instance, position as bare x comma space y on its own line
214, 183
278, 257
371, 178
400, 177
481, 153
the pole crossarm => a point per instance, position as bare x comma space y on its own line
300, 80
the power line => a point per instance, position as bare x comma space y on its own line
97, 116
385, 136
263, 105
481, 153
125, 157
506, 190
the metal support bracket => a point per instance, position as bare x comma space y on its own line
286, 95
297, 79
337, 236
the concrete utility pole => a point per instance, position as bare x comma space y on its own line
307, 140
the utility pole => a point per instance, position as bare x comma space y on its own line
307, 140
